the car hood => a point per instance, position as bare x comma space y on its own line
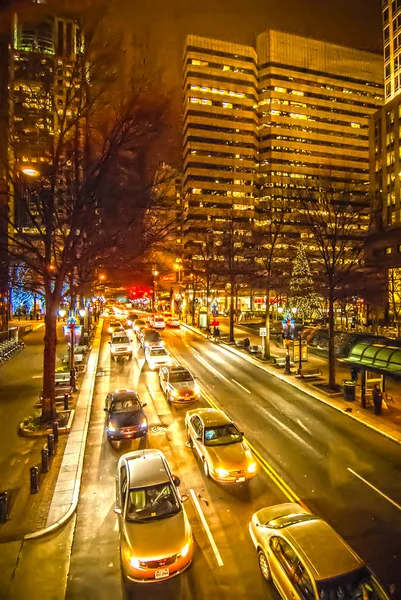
233, 456
183, 386
157, 539
126, 419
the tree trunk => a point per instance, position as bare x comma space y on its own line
332, 357
267, 325
193, 306
49, 412
207, 300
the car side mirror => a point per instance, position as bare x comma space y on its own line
198, 438
184, 497
105, 409
242, 433
109, 342
118, 511
144, 404
195, 377
176, 480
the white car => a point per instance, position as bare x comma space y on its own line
120, 346
158, 323
173, 322
157, 357
115, 326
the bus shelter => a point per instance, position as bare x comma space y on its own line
375, 363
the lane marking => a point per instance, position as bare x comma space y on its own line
241, 386
382, 494
269, 470
206, 528
211, 368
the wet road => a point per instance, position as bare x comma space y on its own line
343, 471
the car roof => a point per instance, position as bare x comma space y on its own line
322, 549
146, 467
212, 417
116, 392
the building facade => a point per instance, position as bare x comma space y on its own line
385, 165
262, 123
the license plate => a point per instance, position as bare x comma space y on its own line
160, 573
240, 479
128, 435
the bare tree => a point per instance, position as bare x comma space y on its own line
271, 249
338, 219
394, 294
98, 135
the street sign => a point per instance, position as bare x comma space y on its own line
262, 331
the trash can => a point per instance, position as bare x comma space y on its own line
349, 390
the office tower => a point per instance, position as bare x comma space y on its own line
220, 134
386, 150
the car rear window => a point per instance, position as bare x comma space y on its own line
115, 324
120, 340
158, 352
129, 404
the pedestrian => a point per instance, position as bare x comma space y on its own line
377, 396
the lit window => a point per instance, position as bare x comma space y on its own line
204, 101
200, 63
275, 112
298, 116
226, 68
280, 89
355, 125
196, 191
297, 93
227, 105
389, 250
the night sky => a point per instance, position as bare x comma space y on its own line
163, 24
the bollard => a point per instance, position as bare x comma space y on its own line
55, 431
3, 507
65, 401
34, 477
50, 444
45, 460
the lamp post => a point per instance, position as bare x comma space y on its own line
72, 370
155, 274
62, 313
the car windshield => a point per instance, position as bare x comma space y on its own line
139, 322
152, 503
120, 340
221, 435
117, 324
358, 585
178, 377
158, 352
125, 403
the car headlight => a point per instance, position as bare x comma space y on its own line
111, 427
174, 393
196, 389
129, 323
252, 468
185, 549
110, 330
144, 423
222, 472
134, 562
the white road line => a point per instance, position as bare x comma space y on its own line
211, 368
37, 376
241, 386
375, 489
207, 528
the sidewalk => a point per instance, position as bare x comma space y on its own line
388, 423
18, 398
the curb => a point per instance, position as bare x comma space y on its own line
293, 384
77, 486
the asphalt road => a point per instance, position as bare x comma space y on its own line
341, 470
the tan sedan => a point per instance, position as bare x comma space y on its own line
220, 445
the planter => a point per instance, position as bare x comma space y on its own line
43, 431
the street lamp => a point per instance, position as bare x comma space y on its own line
155, 274
178, 268
30, 171
62, 313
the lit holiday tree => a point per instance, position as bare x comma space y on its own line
302, 295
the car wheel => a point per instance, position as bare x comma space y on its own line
206, 468
264, 565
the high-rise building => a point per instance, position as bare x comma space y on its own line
220, 133
386, 146
261, 123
